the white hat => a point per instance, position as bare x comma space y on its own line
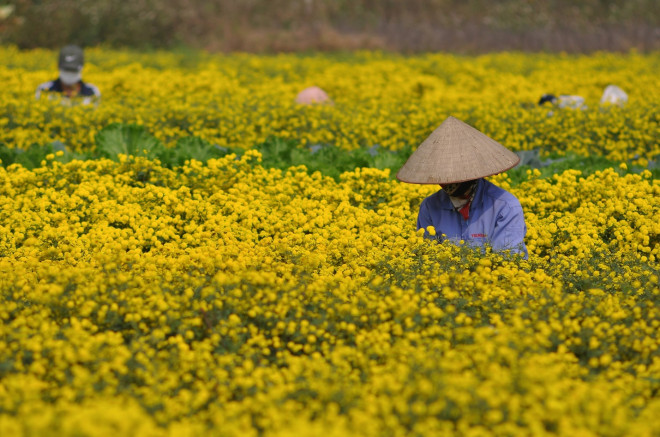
614, 96
456, 152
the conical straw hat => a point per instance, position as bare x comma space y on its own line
456, 152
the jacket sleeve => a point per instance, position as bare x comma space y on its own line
510, 229
424, 217
41, 88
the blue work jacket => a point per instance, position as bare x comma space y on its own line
88, 93
495, 218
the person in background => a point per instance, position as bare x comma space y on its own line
458, 157
69, 83
563, 101
613, 95
312, 95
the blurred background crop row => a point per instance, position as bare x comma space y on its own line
265, 26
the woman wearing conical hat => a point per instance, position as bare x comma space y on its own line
458, 157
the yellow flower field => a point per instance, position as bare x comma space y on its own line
237, 300
227, 298
391, 100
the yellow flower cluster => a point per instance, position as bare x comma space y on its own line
229, 299
393, 101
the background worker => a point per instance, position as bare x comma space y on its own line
69, 83
312, 95
563, 101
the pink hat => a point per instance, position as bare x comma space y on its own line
312, 95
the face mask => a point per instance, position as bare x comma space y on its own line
70, 77
460, 189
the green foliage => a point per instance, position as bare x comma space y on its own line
127, 139
326, 158
191, 147
135, 140
557, 164
34, 155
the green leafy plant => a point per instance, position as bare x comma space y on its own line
191, 147
557, 164
135, 140
34, 155
127, 139
327, 158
